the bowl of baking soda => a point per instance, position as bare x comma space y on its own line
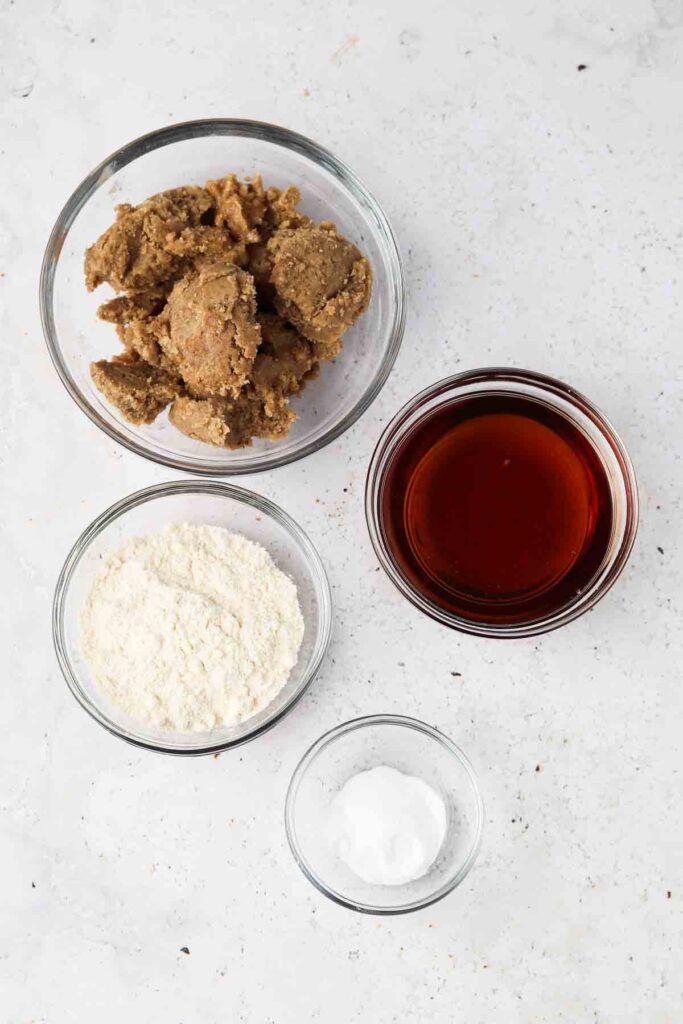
384, 815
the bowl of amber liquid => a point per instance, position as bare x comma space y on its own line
501, 502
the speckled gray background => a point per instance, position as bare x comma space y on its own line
539, 211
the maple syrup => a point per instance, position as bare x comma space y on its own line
497, 508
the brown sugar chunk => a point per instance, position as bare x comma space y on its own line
207, 244
213, 332
310, 266
134, 306
283, 209
139, 390
132, 253
283, 364
253, 417
240, 206
328, 349
201, 418
127, 356
232, 422
281, 212
145, 337
322, 283
285, 360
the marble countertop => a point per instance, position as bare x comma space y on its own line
529, 157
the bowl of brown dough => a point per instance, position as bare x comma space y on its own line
222, 296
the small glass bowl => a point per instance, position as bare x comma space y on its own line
575, 407
192, 153
202, 503
413, 748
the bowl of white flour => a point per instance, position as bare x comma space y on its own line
190, 617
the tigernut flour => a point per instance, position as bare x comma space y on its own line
191, 628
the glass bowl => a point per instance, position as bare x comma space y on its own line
191, 153
198, 502
413, 748
564, 400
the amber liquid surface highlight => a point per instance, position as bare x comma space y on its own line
497, 509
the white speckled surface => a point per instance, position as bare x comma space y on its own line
539, 211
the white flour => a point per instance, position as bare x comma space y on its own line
191, 628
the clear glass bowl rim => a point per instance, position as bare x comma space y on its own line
181, 132
447, 388
308, 759
217, 487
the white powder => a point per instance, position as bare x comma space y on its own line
191, 628
387, 827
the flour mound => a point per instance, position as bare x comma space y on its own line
191, 628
